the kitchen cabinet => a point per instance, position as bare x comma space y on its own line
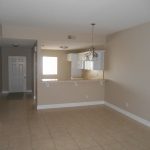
70, 56
79, 61
88, 65
76, 72
97, 63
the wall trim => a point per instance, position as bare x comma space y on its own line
28, 91
6, 92
92, 103
65, 105
128, 114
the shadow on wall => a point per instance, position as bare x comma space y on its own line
128, 98
119, 94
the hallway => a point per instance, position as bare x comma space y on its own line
15, 110
88, 128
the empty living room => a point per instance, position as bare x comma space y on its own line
74, 75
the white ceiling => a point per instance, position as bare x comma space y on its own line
74, 16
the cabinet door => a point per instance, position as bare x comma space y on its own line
75, 71
98, 63
81, 60
81, 64
69, 57
89, 65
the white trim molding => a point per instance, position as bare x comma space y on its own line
65, 105
5, 92
126, 113
28, 91
93, 103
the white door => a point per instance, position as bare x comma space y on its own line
17, 73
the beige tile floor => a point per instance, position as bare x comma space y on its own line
86, 128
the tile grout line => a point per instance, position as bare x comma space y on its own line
90, 136
49, 132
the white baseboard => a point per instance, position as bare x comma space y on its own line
28, 91
90, 103
65, 105
126, 113
5, 92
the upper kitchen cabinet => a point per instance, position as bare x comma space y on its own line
81, 60
70, 56
98, 62
75, 70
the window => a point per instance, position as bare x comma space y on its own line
49, 65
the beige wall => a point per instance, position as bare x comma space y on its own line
0, 60
0, 30
70, 91
64, 66
16, 52
0, 70
128, 71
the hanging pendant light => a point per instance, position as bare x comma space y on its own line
92, 54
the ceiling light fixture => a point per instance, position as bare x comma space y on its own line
64, 47
15, 45
71, 37
92, 54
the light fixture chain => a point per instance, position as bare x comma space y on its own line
93, 24
92, 54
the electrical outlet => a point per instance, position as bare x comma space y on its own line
101, 82
47, 84
127, 105
75, 83
87, 96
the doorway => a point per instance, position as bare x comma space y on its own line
17, 73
